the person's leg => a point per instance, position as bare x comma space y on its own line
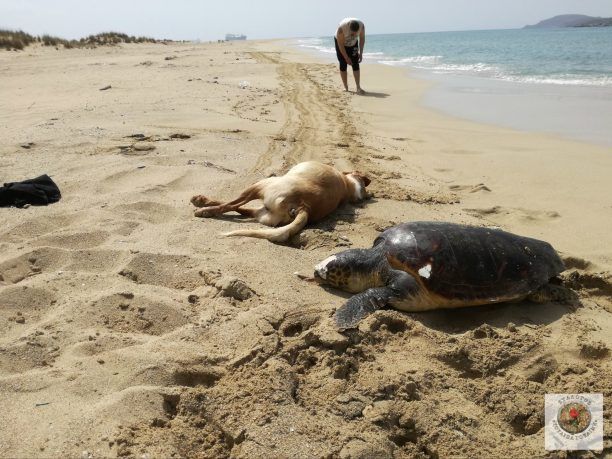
344, 77
343, 66
355, 64
357, 82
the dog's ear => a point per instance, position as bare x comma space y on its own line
364, 178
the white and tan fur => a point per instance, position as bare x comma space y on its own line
308, 192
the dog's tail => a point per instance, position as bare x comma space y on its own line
280, 234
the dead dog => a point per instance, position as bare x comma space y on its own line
308, 192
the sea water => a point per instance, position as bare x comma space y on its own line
552, 80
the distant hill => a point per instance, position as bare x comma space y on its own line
571, 20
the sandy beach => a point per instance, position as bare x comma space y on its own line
128, 327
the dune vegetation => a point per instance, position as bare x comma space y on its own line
19, 40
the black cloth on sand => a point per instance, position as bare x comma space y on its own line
38, 191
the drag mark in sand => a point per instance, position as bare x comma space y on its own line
312, 110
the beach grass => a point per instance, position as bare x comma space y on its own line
15, 39
19, 40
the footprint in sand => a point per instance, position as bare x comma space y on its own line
313, 238
245, 337
470, 188
539, 368
124, 228
387, 190
37, 227
133, 436
139, 137
171, 271
384, 190
139, 149
596, 284
485, 351
17, 269
73, 240
130, 313
47, 260
95, 261
133, 179
297, 322
22, 356
52, 230
23, 306
386, 157
101, 342
572, 262
132, 405
498, 213
198, 375
149, 211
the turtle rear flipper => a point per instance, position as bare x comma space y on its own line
401, 286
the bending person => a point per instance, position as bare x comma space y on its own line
350, 39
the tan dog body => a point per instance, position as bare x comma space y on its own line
308, 192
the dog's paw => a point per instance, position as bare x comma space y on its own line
200, 200
204, 212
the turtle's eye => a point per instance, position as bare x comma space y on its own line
323, 269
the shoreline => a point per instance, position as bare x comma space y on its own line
573, 112
129, 327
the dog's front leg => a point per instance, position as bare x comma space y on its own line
202, 201
206, 212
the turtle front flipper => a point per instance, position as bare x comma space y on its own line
360, 306
400, 287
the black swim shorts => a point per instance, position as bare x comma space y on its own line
353, 53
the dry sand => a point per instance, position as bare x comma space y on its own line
128, 327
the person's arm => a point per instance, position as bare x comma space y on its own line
340, 38
361, 41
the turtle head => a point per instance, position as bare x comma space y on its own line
353, 270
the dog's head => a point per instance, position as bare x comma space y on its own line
361, 181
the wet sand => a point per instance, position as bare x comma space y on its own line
582, 113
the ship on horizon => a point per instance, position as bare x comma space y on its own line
234, 36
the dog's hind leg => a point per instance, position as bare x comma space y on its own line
280, 234
202, 201
251, 193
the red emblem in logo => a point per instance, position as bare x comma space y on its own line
574, 417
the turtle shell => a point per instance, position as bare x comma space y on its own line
469, 263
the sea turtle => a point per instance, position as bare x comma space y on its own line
421, 266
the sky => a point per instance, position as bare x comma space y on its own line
260, 19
